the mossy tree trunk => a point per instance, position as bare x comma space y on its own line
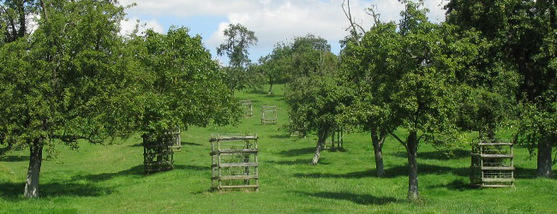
377, 142
412, 149
35, 161
270, 86
322, 137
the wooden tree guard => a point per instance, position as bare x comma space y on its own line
247, 107
269, 115
234, 162
492, 165
158, 154
177, 145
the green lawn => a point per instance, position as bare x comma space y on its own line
109, 178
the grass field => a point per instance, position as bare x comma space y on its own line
109, 178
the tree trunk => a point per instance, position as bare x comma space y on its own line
35, 160
491, 134
340, 141
22, 24
487, 135
322, 137
544, 159
378, 150
333, 142
270, 86
412, 149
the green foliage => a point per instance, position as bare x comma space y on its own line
315, 97
522, 37
181, 85
255, 77
316, 104
14, 18
404, 79
536, 124
109, 177
367, 69
308, 54
66, 81
486, 84
305, 56
238, 40
422, 96
275, 67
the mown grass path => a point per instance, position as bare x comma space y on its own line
109, 178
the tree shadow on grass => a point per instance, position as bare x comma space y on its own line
438, 155
14, 191
364, 199
183, 143
307, 161
136, 171
14, 158
456, 185
297, 152
526, 173
191, 143
392, 172
280, 136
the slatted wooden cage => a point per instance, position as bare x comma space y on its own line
247, 107
234, 162
492, 165
269, 115
158, 151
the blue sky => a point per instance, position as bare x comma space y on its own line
272, 20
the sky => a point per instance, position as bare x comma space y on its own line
273, 21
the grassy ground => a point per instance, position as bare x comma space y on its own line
109, 179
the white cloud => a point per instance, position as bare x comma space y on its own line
436, 9
32, 22
183, 8
279, 20
388, 10
127, 26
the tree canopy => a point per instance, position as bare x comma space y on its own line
367, 68
176, 71
66, 81
238, 40
522, 38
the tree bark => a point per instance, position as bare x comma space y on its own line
491, 134
378, 151
340, 142
412, 149
35, 160
22, 24
322, 137
333, 141
270, 86
544, 159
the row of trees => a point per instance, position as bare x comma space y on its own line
490, 65
74, 78
489, 68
